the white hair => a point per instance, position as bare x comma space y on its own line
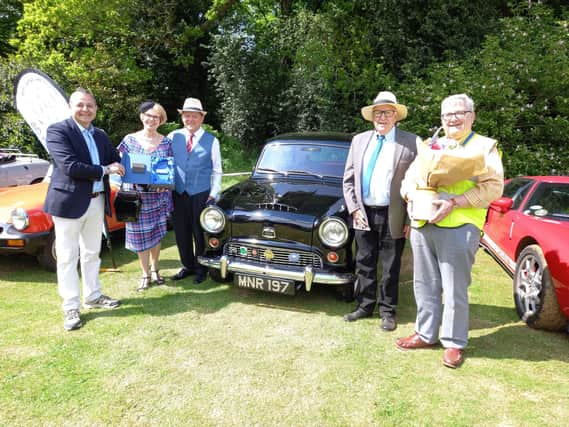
462, 97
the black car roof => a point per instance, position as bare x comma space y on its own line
310, 137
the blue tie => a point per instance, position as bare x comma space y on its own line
371, 166
92, 146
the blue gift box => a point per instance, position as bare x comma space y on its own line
162, 169
147, 169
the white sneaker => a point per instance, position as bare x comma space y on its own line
102, 302
71, 320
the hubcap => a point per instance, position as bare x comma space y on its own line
530, 277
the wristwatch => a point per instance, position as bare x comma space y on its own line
106, 170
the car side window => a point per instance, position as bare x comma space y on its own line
550, 200
517, 190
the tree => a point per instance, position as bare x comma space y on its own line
10, 12
125, 51
311, 65
519, 80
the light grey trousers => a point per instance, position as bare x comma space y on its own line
442, 266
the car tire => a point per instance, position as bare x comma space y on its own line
534, 293
216, 276
46, 257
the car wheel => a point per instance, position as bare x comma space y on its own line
46, 257
216, 276
534, 294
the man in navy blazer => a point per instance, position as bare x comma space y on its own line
77, 198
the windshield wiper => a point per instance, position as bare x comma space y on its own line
270, 170
301, 172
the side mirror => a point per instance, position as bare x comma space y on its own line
502, 205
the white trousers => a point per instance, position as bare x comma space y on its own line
74, 238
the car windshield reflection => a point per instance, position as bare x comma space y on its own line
298, 159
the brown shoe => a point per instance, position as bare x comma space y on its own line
453, 357
412, 342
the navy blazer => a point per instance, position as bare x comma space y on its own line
71, 185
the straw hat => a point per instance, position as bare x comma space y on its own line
192, 104
384, 98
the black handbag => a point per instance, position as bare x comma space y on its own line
127, 205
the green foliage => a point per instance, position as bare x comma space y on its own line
235, 157
519, 81
300, 65
406, 36
14, 131
10, 12
89, 44
313, 68
124, 51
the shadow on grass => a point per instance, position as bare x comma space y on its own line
519, 342
210, 297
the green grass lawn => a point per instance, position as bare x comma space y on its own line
216, 355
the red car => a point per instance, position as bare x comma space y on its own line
26, 228
527, 232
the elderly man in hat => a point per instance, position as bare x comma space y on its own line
376, 165
197, 182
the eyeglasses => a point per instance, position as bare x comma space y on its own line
151, 117
457, 114
385, 113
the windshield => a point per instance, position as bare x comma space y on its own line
550, 201
300, 159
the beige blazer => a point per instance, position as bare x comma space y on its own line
405, 152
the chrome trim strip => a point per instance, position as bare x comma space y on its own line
492, 246
300, 274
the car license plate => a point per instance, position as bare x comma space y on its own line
267, 284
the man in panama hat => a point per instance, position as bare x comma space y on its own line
376, 165
197, 181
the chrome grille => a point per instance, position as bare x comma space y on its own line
276, 207
280, 256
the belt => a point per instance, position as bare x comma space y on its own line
93, 195
376, 208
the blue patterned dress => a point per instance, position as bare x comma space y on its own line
150, 228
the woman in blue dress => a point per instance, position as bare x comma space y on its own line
144, 236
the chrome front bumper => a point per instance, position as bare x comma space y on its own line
307, 274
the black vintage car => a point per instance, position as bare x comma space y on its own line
286, 227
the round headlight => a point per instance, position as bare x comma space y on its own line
20, 219
212, 219
333, 232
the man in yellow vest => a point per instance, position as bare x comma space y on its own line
444, 246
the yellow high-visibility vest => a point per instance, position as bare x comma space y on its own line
460, 216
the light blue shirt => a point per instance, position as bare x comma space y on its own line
380, 184
94, 153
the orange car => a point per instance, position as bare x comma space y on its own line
26, 228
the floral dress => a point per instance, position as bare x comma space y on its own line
150, 228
